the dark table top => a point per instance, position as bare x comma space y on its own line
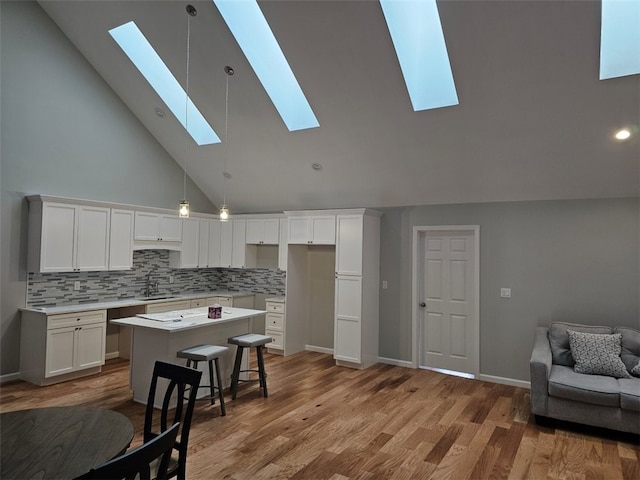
60, 442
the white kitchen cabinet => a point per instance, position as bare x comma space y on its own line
65, 237
156, 230
215, 243
226, 244
56, 348
121, 240
275, 324
283, 245
204, 229
189, 245
313, 229
356, 288
238, 245
263, 231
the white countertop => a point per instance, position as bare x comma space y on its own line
130, 302
193, 318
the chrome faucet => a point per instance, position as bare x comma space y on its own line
151, 287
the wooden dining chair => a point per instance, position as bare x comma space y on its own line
180, 380
136, 464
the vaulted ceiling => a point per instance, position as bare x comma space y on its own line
534, 122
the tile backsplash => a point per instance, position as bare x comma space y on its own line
55, 289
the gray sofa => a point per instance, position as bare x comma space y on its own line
557, 391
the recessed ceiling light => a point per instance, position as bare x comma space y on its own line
159, 112
623, 134
317, 167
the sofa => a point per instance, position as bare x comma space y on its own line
599, 387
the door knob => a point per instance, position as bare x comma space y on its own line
422, 304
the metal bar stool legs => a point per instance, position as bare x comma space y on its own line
247, 341
211, 354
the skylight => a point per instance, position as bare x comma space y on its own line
144, 57
620, 38
251, 30
417, 36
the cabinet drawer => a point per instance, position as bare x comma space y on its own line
274, 321
76, 319
278, 339
274, 307
199, 302
168, 306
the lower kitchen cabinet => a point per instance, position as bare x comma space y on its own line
55, 348
275, 322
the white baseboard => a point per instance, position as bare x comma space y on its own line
397, 363
505, 381
9, 377
487, 378
313, 348
109, 356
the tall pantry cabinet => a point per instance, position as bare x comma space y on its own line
356, 288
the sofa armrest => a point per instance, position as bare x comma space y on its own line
540, 369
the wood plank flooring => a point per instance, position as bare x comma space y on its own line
326, 422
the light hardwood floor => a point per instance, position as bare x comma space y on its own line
326, 422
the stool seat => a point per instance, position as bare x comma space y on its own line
250, 340
202, 353
210, 354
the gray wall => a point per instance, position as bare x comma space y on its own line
65, 133
576, 261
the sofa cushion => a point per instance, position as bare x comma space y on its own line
595, 389
559, 340
630, 393
630, 347
597, 354
636, 370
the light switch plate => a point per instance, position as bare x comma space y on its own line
385, 285
76, 285
505, 292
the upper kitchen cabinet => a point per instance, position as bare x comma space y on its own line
189, 254
311, 229
283, 246
156, 230
121, 240
66, 237
239, 242
263, 231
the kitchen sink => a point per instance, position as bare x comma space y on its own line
157, 297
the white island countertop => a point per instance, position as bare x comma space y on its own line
181, 320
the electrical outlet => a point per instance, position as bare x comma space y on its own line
171, 279
76, 285
385, 285
233, 278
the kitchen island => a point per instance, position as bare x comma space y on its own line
161, 340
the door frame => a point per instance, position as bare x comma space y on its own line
418, 231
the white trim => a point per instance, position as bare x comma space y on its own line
111, 356
505, 381
313, 348
9, 377
417, 230
397, 363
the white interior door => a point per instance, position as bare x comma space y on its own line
447, 299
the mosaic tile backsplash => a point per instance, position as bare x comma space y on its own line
56, 289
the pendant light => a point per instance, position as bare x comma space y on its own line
224, 210
183, 210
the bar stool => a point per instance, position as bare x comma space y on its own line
249, 340
210, 354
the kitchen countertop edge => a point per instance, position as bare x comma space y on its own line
129, 302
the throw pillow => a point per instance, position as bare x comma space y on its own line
597, 354
636, 370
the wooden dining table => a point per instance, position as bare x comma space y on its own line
60, 442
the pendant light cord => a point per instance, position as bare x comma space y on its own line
225, 173
186, 108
